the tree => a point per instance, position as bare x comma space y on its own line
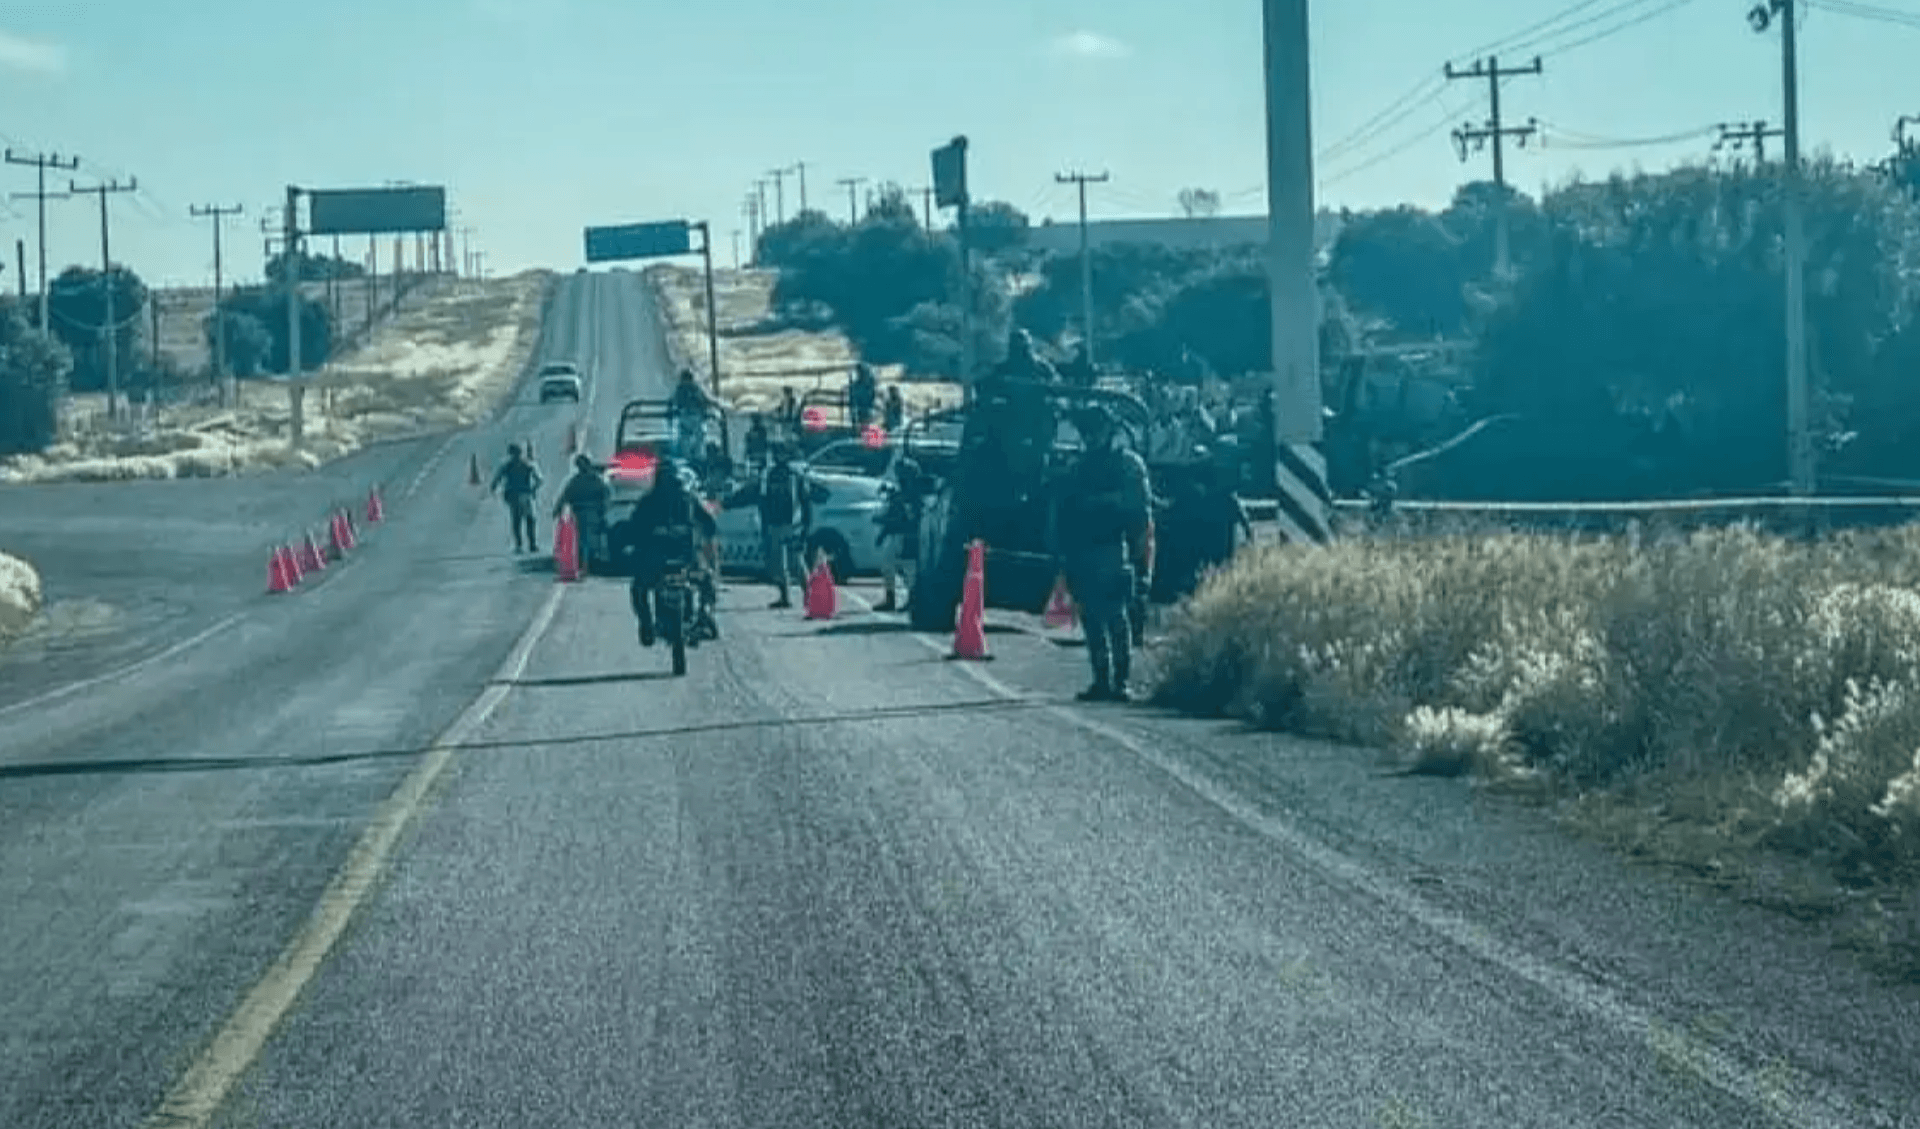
1645, 351
313, 268
249, 343
33, 380
995, 228
1199, 203
267, 306
1404, 265
77, 305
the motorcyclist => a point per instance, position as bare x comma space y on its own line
1103, 515
691, 406
668, 528
517, 481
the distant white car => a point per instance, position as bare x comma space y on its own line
559, 380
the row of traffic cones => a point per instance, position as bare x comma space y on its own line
970, 629
289, 564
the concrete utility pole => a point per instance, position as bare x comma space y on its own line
800, 174
736, 248
851, 183
751, 210
218, 215
1080, 181
1800, 455
1497, 133
779, 194
760, 198
1737, 134
109, 332
40, 163
1291, 270
294, 272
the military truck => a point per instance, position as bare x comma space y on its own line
1017, 441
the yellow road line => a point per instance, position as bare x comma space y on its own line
197, 1097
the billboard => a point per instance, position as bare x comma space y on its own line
950, 173
639, 241
376, 211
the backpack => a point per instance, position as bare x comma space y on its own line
780, 495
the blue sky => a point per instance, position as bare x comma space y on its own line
542, 116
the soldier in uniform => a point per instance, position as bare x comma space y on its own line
1103, 515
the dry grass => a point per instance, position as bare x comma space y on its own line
1741, 706
20, 596
758, 355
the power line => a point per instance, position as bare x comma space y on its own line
1491, 70
851, 183
1864, 11
1738, 135
219, 217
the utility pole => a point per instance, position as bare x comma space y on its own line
1080, 181
760, 198
1734, 135
736, 248
40, 163
218, 215
295, 272
752, 212
779, 194
109, 332
926, 205
1497, 133
850, 183
1800, 455
800, 173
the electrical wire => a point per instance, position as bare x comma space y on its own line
1864, 11
1551, 134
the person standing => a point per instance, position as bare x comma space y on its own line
786, 518
900, 531
517, 482
1104, 514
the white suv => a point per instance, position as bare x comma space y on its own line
559, 380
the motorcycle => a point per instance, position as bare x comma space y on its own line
677, 612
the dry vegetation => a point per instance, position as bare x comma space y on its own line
1743, 707
757, 354
450, 354
19, 596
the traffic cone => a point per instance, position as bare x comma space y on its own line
277, 580
291, 565
336, 538
376, 513
346, 527
970, 632
1061, 611
473, 470
822, 599
311, 558
566, 545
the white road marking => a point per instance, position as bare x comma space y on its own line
196, 1098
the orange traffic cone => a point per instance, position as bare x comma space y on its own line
376, 512
336, 538
346, 529
970, 632
566, 546
822, 599
1060, 607
473, 470
277, 580
311, 558
291, 565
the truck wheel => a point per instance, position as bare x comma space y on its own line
933, 604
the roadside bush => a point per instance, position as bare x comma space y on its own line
1790, 669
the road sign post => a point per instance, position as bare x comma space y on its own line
950, 190
666, 239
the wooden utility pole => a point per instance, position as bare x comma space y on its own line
1736, 135
779, 194
218, 215
852, 183
109, 331
1496, 132
1080, 181
40, 163
800, 174
1800, 455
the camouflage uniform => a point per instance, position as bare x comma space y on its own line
1104, 512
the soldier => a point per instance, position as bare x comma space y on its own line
1104, 515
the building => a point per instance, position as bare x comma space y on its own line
1175, 231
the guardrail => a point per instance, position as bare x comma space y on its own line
1789, 512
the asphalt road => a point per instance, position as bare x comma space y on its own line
827, 879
